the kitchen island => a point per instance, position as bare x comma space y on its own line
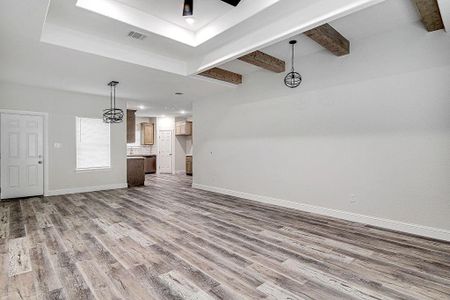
135, 171
149, 162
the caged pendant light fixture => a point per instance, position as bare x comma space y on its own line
113, 114
293, 79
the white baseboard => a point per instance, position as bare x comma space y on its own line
431, 232
86, 189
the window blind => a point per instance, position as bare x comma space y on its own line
93, 144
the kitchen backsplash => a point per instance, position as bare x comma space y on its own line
140, 150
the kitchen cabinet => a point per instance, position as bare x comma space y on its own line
147, 133
135, 171
150, 164
131, 126
189, 165
183, 128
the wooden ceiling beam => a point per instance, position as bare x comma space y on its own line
265, 61
223, 75
329, 38
430, 13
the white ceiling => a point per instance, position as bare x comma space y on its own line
444, 6
164, 19
377, 19
27, 60
100, 27
205, 11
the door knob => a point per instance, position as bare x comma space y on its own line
40, 162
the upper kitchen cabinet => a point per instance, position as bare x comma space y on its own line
131, 126
147, 133
183, 128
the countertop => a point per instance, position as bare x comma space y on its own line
137, 155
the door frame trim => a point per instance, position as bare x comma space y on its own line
44, 115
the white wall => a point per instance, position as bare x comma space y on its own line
190, 140
62, 108
180, 154
366, 137
183, 146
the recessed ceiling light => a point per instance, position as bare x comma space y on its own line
190, 21
179, 93
141, 106
182, 112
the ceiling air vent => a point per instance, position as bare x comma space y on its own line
136, 35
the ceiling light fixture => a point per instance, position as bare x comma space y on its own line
182, 112
113, 114
188, 8
190, 20
141, 107
293, 79
179, 93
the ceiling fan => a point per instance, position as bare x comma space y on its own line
188, 8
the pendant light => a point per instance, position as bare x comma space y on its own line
113, 114
293, 79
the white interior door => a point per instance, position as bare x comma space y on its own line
22, 155
165, 151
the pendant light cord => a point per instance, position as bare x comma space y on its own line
110, 97
114, 98
293, 57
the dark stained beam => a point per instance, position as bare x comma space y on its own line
223, 75
330, 38
265, 61
431, 15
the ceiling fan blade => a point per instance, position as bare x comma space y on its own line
232, 2
188, 8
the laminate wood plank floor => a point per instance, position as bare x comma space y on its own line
170, 241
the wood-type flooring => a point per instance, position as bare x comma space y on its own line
170, 241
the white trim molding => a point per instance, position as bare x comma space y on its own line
420, 230
86, 189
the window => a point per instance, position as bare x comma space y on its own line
93, 144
